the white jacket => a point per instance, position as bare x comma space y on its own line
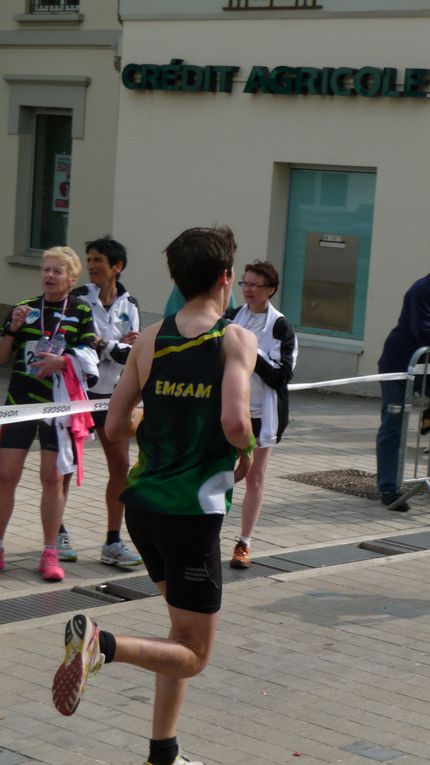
111, 326
277, 356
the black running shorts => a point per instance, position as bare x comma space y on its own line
98, 417
184, 551
20, 435
256, 426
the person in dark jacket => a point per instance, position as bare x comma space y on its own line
411, 332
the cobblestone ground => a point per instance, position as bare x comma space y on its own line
322, 665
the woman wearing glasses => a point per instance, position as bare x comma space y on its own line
277, 355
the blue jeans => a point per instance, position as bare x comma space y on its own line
388, 438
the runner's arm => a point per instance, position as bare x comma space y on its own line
240, 348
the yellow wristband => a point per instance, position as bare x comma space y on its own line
249, 449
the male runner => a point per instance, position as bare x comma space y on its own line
192, 372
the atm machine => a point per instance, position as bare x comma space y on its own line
329, 281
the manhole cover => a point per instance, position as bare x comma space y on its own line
373, 751
349, 481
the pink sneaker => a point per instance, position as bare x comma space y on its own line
49, 566
2, 560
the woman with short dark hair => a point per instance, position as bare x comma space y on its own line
117, 326
277, 354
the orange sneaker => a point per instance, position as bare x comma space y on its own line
241, 557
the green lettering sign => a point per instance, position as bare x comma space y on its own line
131, 76
337, 81
170, 77
281, 80
415, 82
308, 80
326, 74
150, 74
389, 83
258, 80
368, 82
225, 77
192, 78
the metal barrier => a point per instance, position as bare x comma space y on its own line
416, 482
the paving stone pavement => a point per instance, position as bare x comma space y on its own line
323, 665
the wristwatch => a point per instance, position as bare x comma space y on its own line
101, 345
8, 331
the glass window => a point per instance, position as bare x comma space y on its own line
270, 5
51, 181
68, 6
326, 268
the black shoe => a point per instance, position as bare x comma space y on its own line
425, 422
388, 497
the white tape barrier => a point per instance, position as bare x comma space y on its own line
348, 380
25, 412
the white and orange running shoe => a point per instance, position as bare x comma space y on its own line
82, 658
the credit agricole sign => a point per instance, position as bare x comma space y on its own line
369, 81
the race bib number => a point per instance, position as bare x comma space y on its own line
30, 355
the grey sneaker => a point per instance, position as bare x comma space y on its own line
118, 554
64, 548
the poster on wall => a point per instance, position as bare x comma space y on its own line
61, 185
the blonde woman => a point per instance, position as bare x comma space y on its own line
50, 314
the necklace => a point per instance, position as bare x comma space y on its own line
42, 317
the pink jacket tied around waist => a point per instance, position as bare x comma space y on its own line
82, 423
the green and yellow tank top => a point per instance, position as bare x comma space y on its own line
185, 464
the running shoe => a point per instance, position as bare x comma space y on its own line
64, 548
181, 760
82, 658
2, 560
49, 566
241, 556
118, 554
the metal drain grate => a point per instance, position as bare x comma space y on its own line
373, 751
46, 604
275, 563
319, 557
418, 539
242, 575
131, 588
137, 587
405, 543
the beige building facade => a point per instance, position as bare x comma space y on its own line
59, 95
303, 124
